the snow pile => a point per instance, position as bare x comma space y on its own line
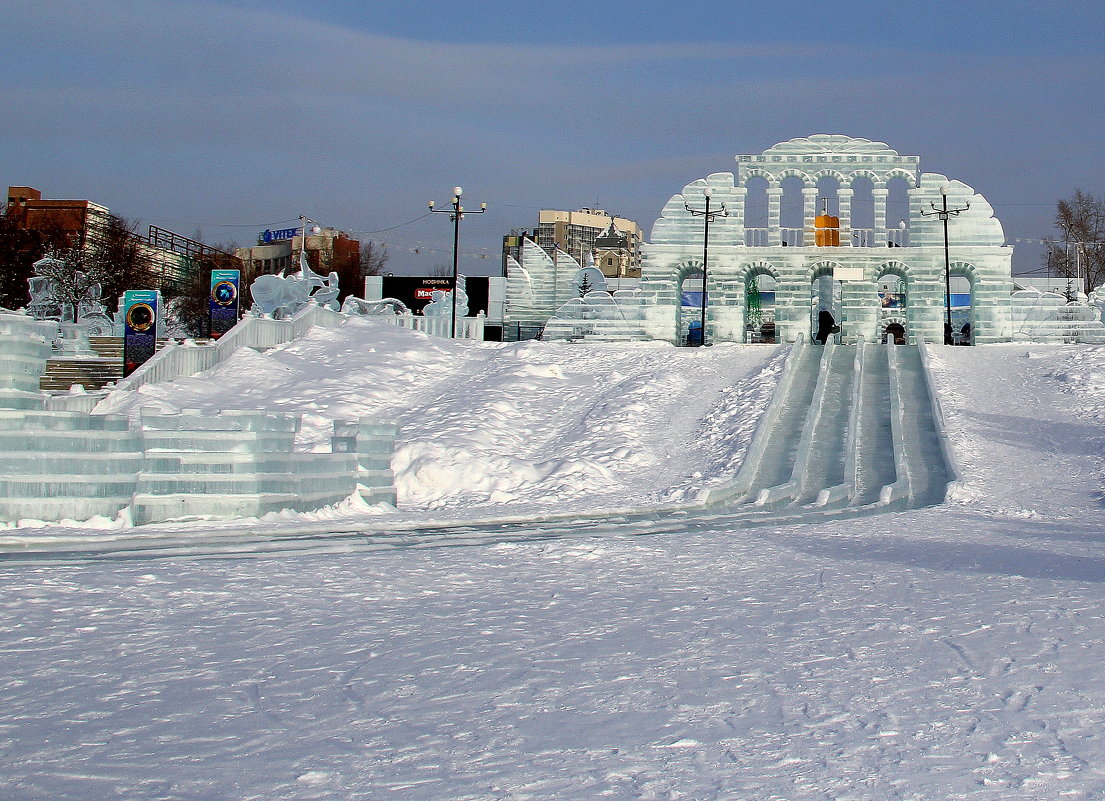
500, 425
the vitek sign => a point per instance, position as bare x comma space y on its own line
268, 236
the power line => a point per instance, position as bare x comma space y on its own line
393, 227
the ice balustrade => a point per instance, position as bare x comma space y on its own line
261, 333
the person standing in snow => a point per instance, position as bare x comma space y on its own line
825, 325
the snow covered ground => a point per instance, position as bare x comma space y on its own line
950, 652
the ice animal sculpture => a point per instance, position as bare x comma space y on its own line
385, 307
440, 304
1097, 299
283, 295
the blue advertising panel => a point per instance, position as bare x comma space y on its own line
139, 328
222, 303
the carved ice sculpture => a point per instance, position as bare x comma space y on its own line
50, 300
385, 307
597, 315
441, 305
1097, 299
283, 295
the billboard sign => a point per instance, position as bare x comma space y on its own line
268, 237
222, 302
416, 292
139, 328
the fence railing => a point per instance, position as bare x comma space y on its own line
755, 237
878, 238
467, 327
261, 333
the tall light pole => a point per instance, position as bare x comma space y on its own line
944, 213
707, 217
315, 229
456, 215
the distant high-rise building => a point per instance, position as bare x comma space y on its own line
578, 233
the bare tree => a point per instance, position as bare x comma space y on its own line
441, 270
373, 258
20, 248
120, 259
188, 304
1078, 252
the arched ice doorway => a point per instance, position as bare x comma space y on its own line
825, 293
760, 284
690, 288
894, 330
893, 290
963, 315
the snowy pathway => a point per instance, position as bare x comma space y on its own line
946, 652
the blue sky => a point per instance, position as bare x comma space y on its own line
230, 117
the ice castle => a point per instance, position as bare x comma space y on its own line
827, 222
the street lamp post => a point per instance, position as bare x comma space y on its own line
315, 229
944, 213
456, 215
707, 217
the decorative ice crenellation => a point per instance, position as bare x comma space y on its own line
537, 287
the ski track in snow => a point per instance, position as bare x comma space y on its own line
948, 652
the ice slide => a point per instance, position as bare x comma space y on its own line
850, 431
851, 427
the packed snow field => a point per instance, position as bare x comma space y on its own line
948, 652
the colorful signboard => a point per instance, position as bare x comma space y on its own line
222, 303
139, 328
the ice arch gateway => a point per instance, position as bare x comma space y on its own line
834, 222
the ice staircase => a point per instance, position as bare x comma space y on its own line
101, 366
